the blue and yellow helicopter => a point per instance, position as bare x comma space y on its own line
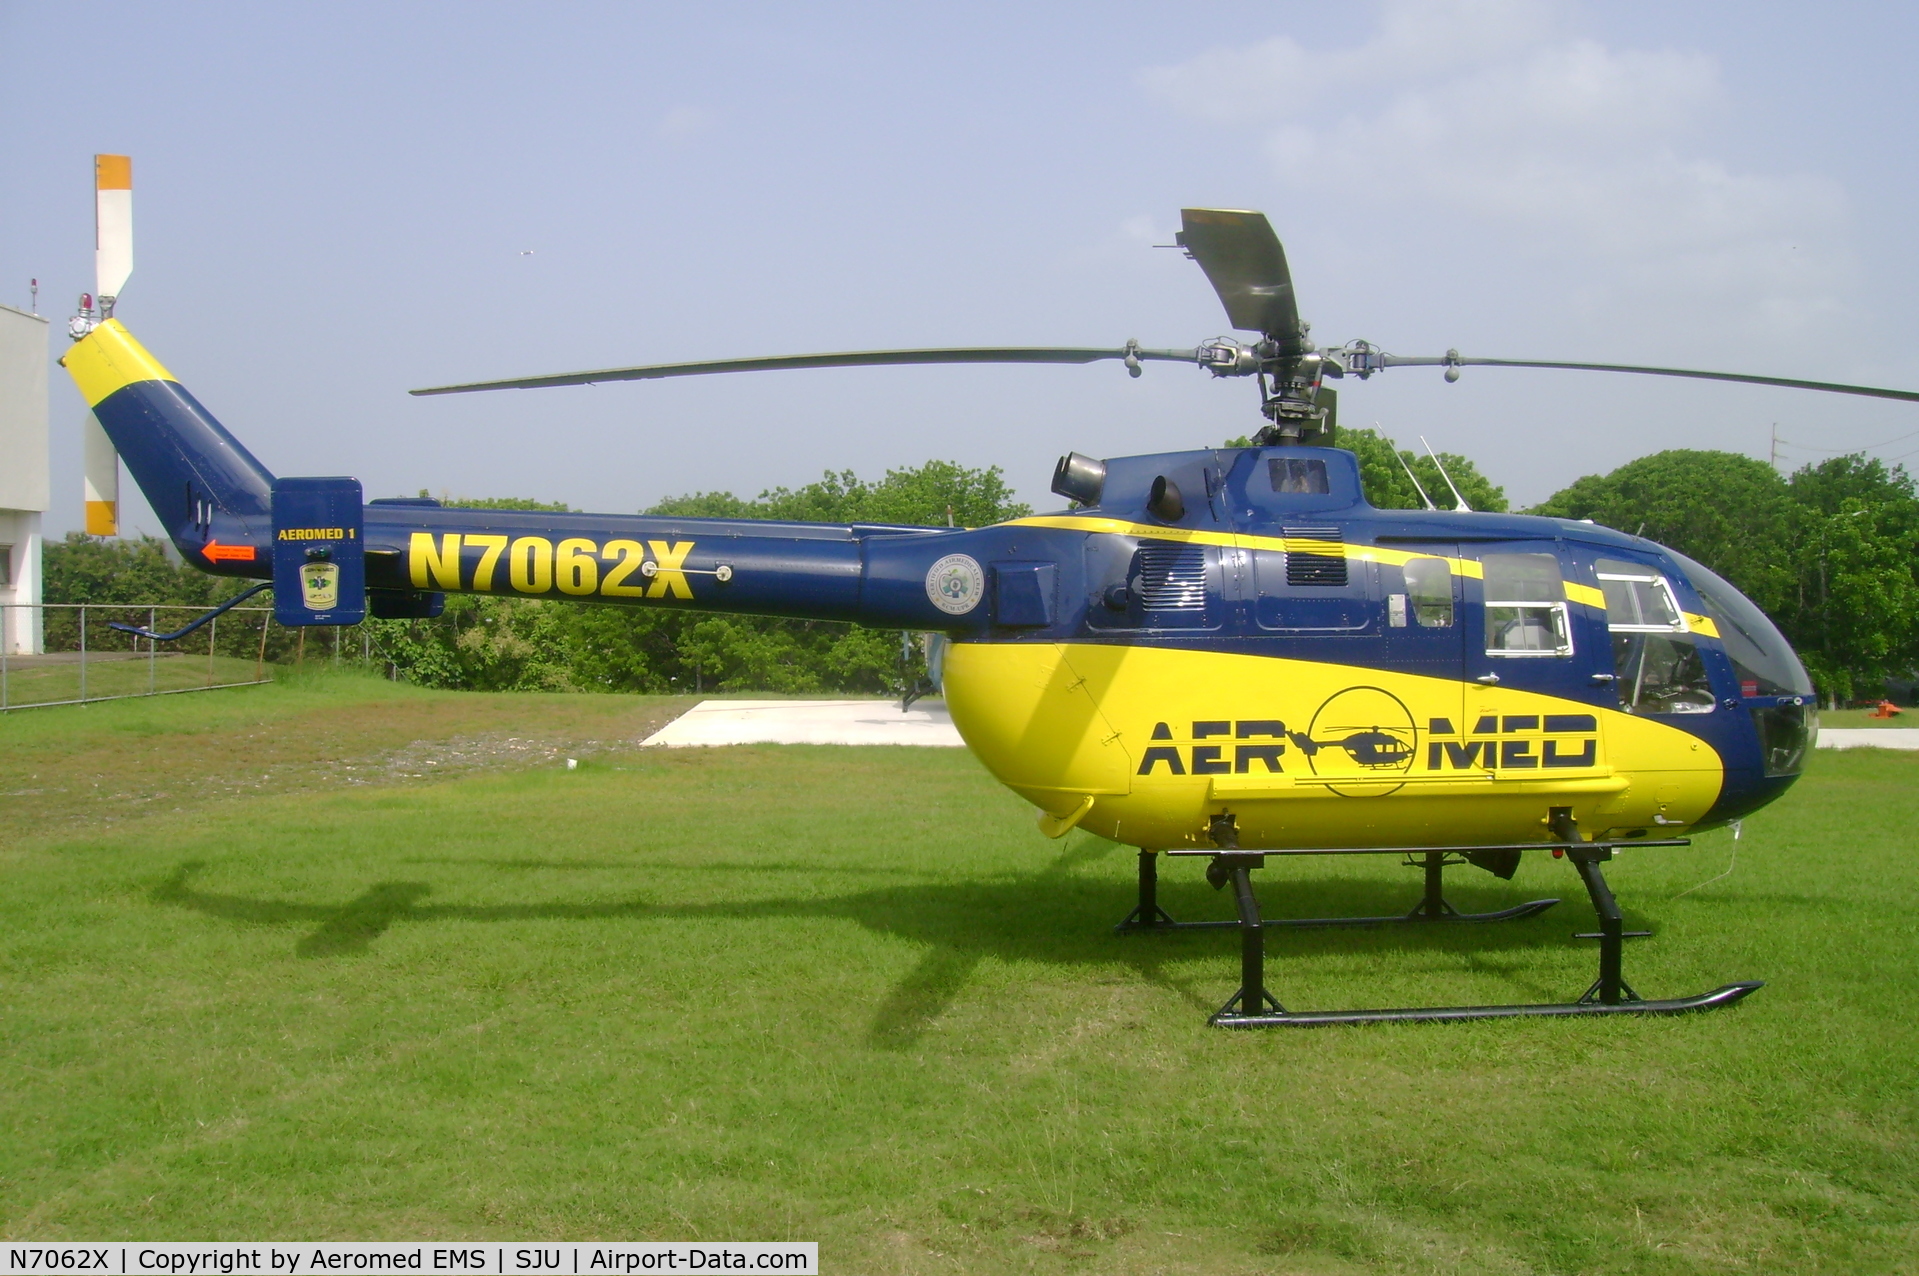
1222, 653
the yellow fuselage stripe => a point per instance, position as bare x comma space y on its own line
1237, 540
1583, 594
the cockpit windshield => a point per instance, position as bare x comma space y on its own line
1761, 656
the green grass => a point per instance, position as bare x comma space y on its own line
1863, 718
854, 996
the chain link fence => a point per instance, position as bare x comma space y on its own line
84, 659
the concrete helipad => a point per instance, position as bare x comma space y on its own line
713, 722
1868, 738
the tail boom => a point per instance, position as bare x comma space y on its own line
216, 503
207, 490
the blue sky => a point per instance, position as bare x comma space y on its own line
334, 203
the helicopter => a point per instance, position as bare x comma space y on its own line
1223, 653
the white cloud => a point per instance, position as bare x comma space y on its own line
1492, 115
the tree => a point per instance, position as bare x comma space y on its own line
1826, 485
1731, 512
1856, 608
925, 497
499, 643
1382, 474
1828, 553
103, 571
96, 569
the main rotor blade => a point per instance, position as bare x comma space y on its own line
1245, 264
848, 359
1792, 383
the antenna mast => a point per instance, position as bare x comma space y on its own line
1460, 500
1417, 486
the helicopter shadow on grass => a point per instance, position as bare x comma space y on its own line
344, 929
1056, 916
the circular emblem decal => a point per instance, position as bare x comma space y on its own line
1363, 734
955, 584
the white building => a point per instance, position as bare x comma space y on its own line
24, 486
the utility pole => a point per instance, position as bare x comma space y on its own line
1773, 460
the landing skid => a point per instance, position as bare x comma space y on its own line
1252, 1006
1432, 907
1228, 1017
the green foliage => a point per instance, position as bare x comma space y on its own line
102, 571
1731, 512
933, 495
516, 644
94, 569
506, 503
1382, 475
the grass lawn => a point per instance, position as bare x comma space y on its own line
335, 958
1850, 718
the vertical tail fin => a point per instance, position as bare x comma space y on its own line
205, 487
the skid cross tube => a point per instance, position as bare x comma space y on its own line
1253, 1005
1148, 915
178, 634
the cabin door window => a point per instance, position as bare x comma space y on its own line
1526, 606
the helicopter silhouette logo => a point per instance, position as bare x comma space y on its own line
1362, 733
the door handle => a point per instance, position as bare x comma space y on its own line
1488, 678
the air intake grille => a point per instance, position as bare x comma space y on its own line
1315, 556
1173, 578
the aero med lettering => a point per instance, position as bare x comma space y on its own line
1497, 743
575, 565
1515, 742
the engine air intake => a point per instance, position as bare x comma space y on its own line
1315, 556
1173, 578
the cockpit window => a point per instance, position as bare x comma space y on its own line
1525, 606
1299, 475
1761, 656
1638, 599
1656, 666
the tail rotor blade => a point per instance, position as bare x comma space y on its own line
1245, 264
102, 478
112, 263
112, 227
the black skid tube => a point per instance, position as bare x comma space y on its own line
1725, 996
178, 634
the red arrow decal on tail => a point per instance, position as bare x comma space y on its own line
216, 552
